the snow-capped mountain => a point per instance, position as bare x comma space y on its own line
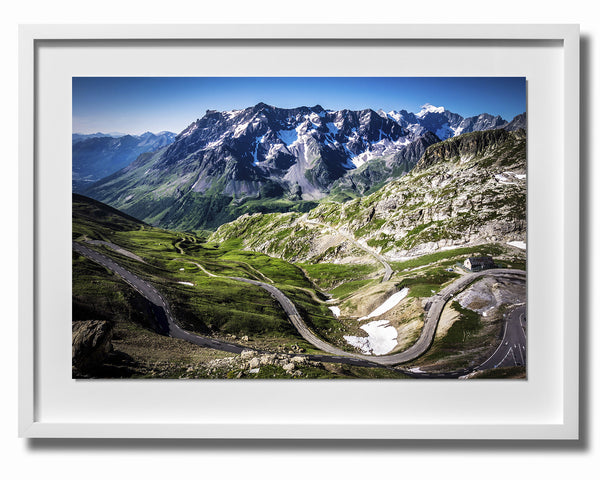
443, 123
268, 152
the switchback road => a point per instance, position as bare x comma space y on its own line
167, 325
435, 308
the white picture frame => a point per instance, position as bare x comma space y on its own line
545, 406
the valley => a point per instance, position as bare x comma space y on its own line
308, 243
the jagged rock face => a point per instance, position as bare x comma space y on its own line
464, 191
443, 123
91, 344
378, 171
264, 152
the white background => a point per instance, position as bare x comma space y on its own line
160, 459
399, 403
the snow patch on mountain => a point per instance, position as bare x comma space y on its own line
444, 132
519, 244
288, 137
428, 108
189, 130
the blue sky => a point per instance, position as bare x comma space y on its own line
139, 104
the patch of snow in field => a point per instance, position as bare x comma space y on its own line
181, 269
381, 338
416, 370
390, 303
519, 244
187, 283
335, 310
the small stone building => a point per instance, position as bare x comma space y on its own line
475, 264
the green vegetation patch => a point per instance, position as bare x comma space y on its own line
348, 288
332, 275
427, 283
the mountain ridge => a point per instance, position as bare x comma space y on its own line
264, 154
470, 190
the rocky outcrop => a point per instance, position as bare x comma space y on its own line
91, 345
250, 361
465, 191
468, 145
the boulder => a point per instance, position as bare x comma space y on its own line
91, 343
289, 367
254, 363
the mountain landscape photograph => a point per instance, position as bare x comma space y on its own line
299, 227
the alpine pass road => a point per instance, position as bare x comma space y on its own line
168, 326
511, 351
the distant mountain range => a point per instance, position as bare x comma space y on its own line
266, 159
97, 155
78, 137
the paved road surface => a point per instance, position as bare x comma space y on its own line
512, 351
417, 349
117, 249
167, 325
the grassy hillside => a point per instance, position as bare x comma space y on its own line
180, 266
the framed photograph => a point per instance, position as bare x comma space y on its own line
299, 231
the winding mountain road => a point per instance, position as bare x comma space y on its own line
167, 325
164, 318
435, 307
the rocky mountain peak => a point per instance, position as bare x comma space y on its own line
297, 153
